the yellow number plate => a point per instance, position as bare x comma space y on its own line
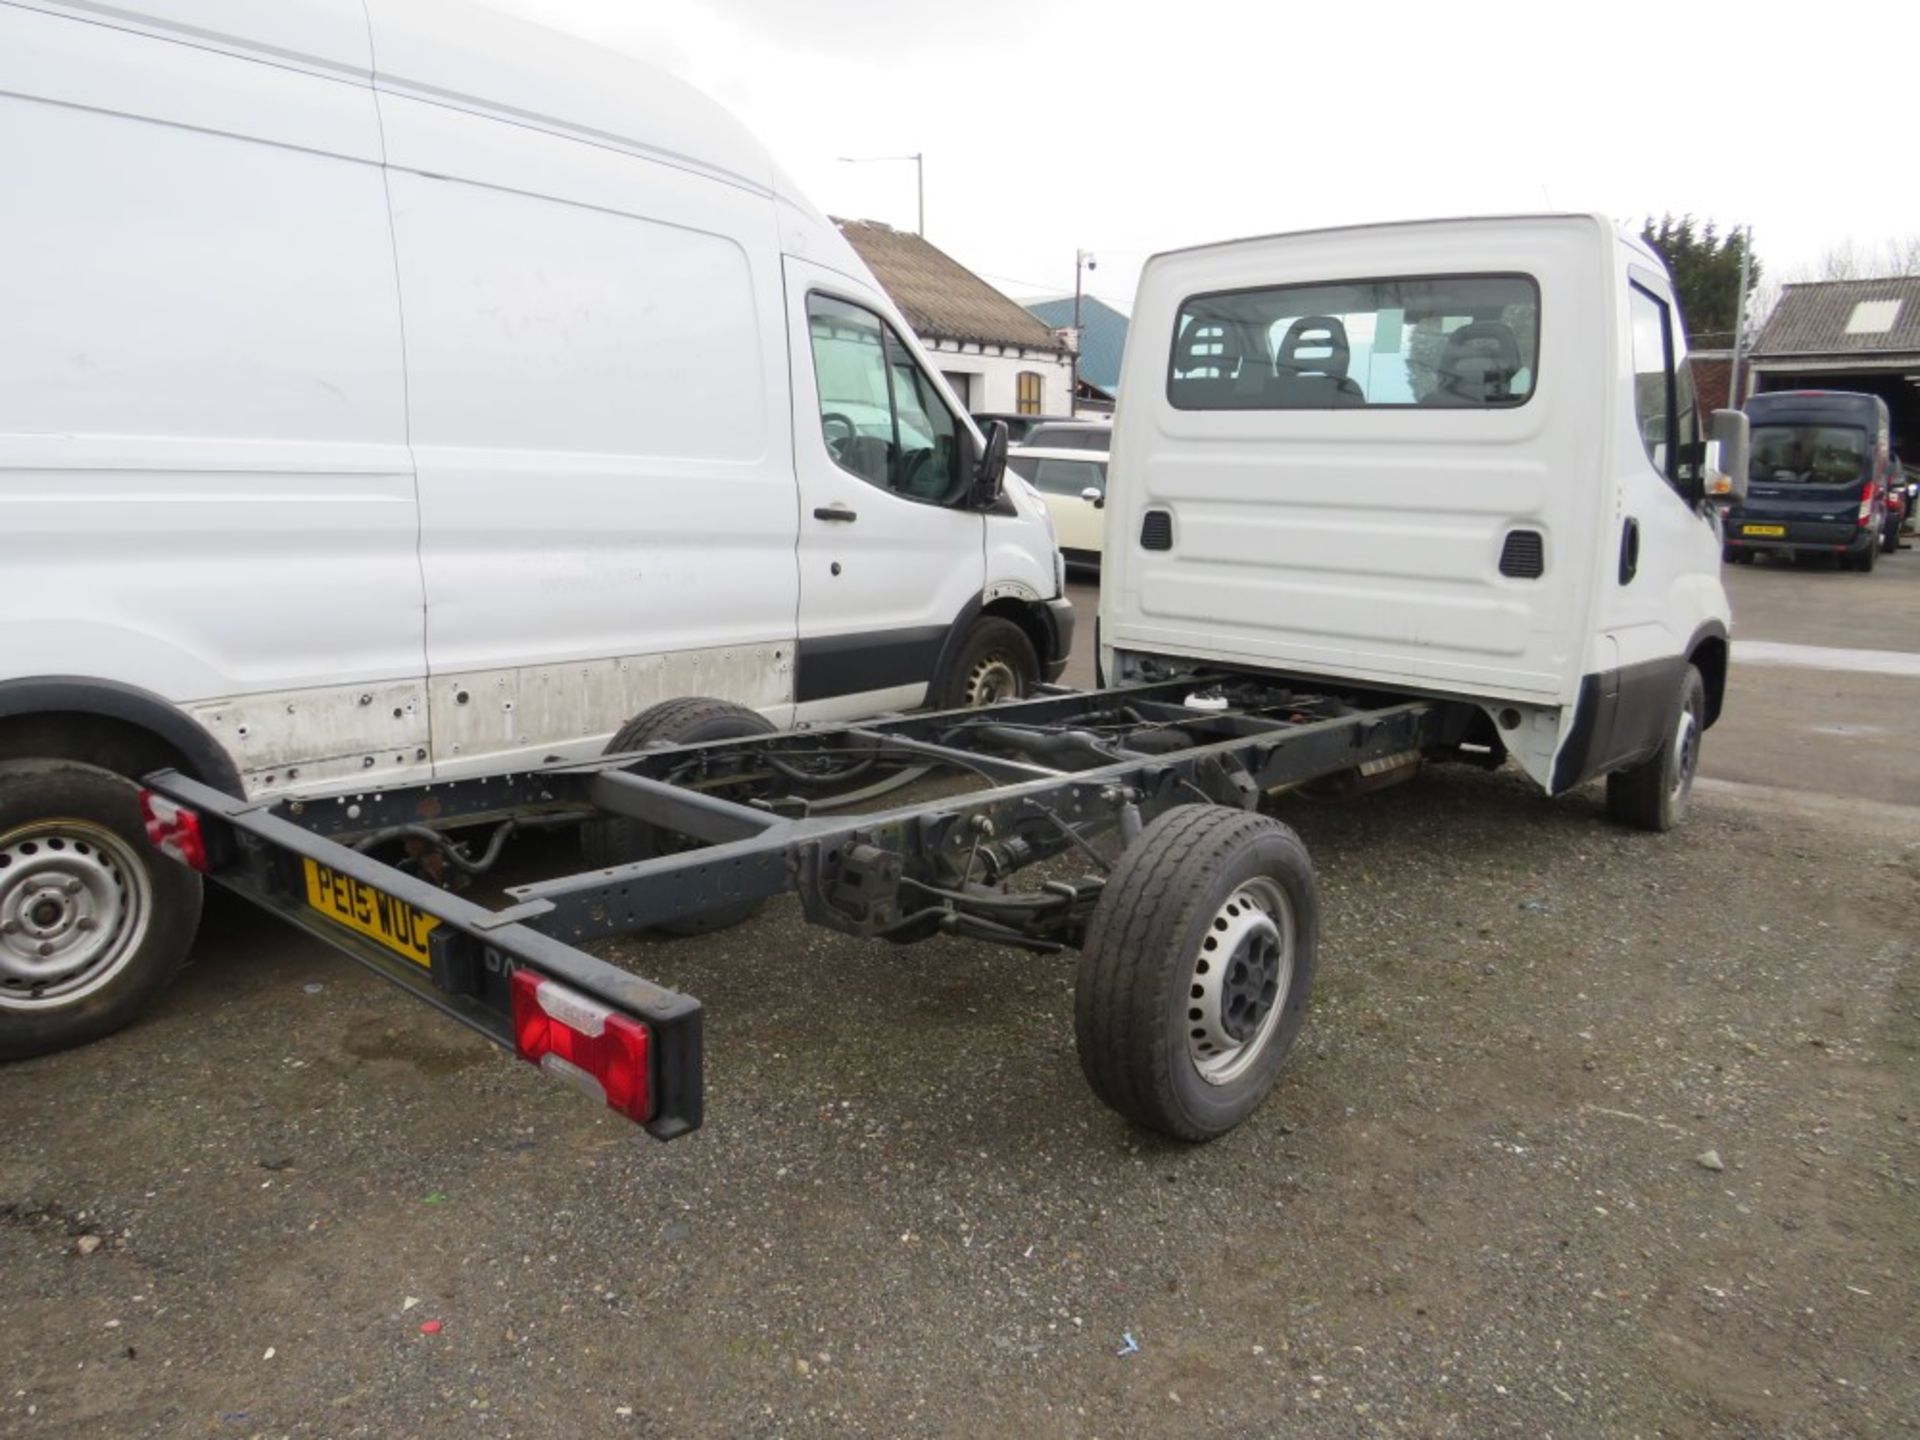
398, 926
1763, 529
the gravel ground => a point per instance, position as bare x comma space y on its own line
1590, 1133
1475, 1206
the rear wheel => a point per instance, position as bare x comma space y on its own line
1194, 979
93, 921
995, 662
1654, 794
621, 841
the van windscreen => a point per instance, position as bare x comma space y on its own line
1445, 342
1809, 455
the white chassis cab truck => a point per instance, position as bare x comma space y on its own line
1379, 497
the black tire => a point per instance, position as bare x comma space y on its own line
1890, 538
1145, 970
1863, 563
1654, 794
620, 841
93, 921
994, 662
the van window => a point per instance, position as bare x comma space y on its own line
1444, 342
1664, 404
880, 416
1809, 455
1059, 477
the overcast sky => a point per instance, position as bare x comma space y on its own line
1131, 128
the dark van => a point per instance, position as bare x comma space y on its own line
1817, 477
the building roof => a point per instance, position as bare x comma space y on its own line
1103, 335
940, 298
1844, 317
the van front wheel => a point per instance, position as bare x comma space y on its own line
995, 662
1654, 794
93, 921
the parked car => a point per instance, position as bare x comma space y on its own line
1073, 483
1070, 435
1909, 481
1820, 472
1018, 426
254, 536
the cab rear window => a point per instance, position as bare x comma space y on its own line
1439, 342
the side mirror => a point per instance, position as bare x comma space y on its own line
986, 469
1095, 497
1726, 468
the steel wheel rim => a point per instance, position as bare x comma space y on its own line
1242, 973
75, 903
1686, 752
991, 680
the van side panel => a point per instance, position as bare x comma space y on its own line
597, 399
204, 482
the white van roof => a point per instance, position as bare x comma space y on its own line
471, 57
457, 53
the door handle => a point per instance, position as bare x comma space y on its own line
834, 512
1629, 550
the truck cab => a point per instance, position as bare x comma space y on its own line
1459, 458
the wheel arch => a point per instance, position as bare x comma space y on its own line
116, 726
1709, 653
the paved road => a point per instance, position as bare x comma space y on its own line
1474, 1207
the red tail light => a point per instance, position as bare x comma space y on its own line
566, 1034
174, 830
1866, 503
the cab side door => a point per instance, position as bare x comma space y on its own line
887, 565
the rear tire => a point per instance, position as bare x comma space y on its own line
1198, 962
93, 921
995, 662
620, 841
1654, 795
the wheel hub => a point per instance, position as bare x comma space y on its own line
993, 679
74, 906
1686, 751
1240, 980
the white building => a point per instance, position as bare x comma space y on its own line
998, 358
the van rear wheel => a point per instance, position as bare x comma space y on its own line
621, 841
93, 921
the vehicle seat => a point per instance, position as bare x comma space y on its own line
1477, 367
1210, 365
1310, 367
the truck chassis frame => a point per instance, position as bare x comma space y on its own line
758, 817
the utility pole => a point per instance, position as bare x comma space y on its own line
919, 160
1082, 260
1739, 320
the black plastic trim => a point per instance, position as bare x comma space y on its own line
832, 665
206, 760
1060, 621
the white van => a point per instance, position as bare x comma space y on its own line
1459, 458
389, 391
